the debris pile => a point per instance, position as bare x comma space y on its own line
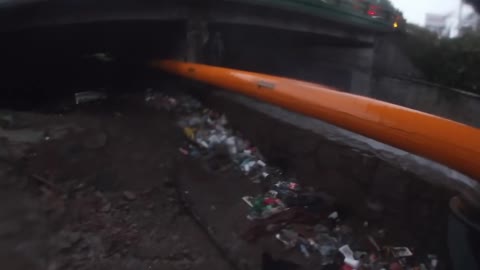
210, 137
299, 220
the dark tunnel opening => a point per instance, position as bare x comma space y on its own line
42, 63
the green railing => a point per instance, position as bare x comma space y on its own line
362, 13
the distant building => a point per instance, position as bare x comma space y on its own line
455, 23
438, 23
469, 23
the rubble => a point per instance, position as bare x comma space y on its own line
89, 96
56, 133
399, 252
25, 136
101, 56
106, 208
95, 140
6, 120
333, 215
129, 196
46, 182
349, 259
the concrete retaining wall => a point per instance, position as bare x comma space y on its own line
347, 65
390, 59
449, 103
401, 199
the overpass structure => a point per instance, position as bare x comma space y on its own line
361, 14
326, 41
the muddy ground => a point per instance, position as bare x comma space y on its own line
94, 188
104, 186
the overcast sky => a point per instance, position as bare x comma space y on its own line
414, 10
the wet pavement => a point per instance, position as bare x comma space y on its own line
119, 184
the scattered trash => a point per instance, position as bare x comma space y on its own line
218, 163
27, 136
183, 151
395, 266
349, 258
333, 215
130, 196
399, 252
288, 237
264, 207
285, 205
89, 96
207, 131
433, 261
373, 242
248, 200
375, 206
344, 234
326, 246
288, 185
95, 140
46, 183
232, 146
102, 57
304, 251
320, 228
189, 132
347, 267
106, 208
58, 132
360, 254
6, 120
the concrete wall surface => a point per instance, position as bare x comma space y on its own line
339, 63
390, 58
317, 155
435, 99
345, 64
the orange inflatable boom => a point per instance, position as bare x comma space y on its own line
448, 142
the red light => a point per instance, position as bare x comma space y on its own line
372, 11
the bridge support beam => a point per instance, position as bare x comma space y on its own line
197, 36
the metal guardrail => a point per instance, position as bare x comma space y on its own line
363, 13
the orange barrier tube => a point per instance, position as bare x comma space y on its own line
445, 141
